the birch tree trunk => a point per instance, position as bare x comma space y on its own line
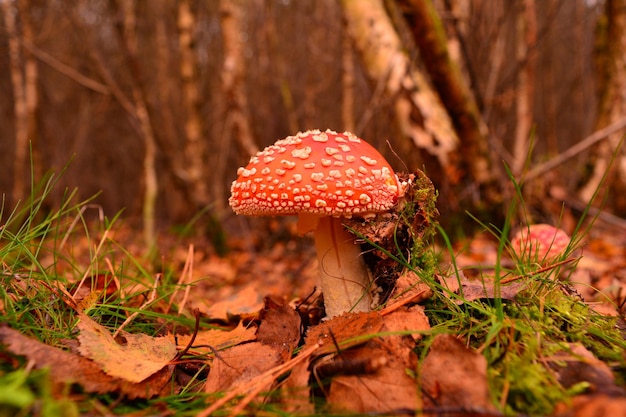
430, 37
347, 85
237, 118
526, 32
145, 124
612, 87
195, 147
24, 74
418, 110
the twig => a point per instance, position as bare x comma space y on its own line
602, 215
191, 339
539, 271
403, 301
89, 268
66, 70
112, 271
576, 149
185, 278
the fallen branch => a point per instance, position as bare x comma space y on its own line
576, 149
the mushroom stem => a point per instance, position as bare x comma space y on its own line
345, 278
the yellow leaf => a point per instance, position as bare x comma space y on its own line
137, 357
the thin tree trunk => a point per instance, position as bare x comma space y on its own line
237, 117
145, 124
526, 28
612, 107
233, 74
429, 34
20, 108
279, 63
347, 85
195, 146
418, 110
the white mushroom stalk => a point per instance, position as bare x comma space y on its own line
345, 279
322, 176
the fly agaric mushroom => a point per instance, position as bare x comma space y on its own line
322, 176
540, 243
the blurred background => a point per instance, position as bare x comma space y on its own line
155, 104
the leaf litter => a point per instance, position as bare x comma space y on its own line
277, 350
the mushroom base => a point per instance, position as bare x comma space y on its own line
346, 281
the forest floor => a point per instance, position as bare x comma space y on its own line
91, 326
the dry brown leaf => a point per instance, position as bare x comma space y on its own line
406, 320
483, 288
216, 338
139, 357
345, 330
100, 286
373, 377
452, 376
279, 327
580, 365
387, 389
242, 302
69, 368
409, 285
239, 364
593, 406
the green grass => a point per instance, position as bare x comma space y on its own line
44, 253
520, 337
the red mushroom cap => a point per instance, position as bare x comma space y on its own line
324, 173
541, 243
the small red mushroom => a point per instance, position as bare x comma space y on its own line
540, 243
322, 176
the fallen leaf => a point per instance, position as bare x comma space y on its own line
580, 365
343, 332
481, 288
412, 319
68, 368
453, 376
279, 327
217, 339
239, 364
98, 287
139, 357
595, 406
245, 301
373, 377
387, 389
410, 286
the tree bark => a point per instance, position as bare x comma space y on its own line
526, 32
195, 147
430, 37
418, 110
347, 85
24, 74
129, 39
237, 117
612, 85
